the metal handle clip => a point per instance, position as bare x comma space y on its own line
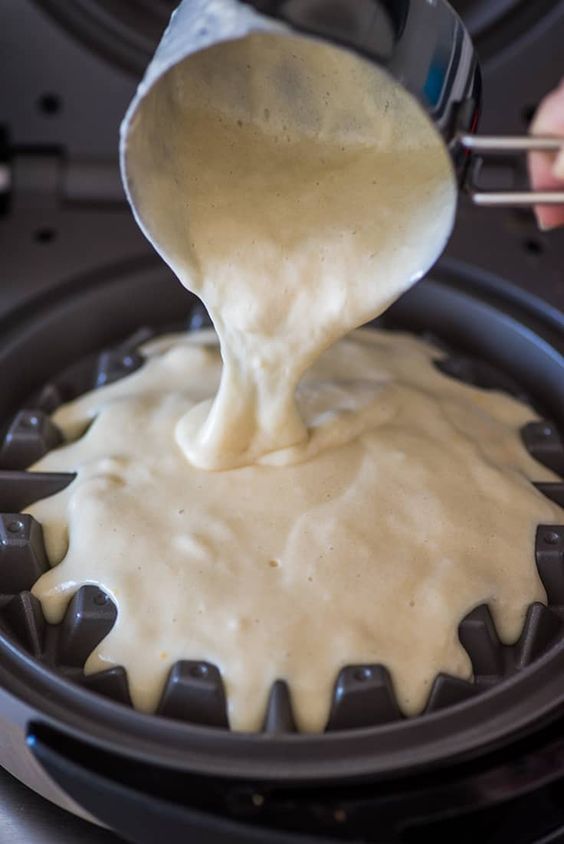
499, 145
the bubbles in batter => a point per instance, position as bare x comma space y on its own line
302, 504
412, 506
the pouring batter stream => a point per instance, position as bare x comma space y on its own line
294, 504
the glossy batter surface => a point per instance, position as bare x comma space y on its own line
298, 191
417, 508
276, 523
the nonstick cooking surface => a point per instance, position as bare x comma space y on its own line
363, 694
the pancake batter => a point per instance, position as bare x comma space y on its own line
306, 505
298, 191
370, 552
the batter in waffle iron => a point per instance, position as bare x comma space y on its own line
300, 502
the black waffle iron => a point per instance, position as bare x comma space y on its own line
82, 291
183, 770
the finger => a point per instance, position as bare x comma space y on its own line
543, 178
558, 169
546, 172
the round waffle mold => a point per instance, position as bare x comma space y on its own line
483, 319
363, 695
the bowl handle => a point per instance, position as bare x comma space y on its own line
479, 146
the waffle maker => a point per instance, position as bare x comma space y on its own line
486, 758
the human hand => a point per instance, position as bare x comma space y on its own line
547, 173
